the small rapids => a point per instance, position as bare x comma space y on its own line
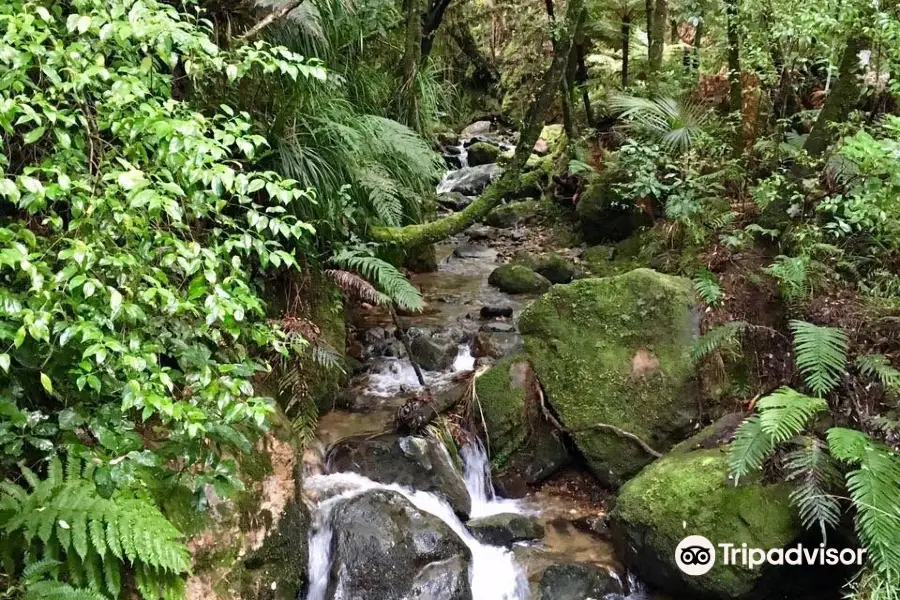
391, 377
493, 574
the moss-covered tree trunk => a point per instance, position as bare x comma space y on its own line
433, 19
485, 75
406, 99
657, 36
428, 233
840, 101
626, 42
581, 78
734, 73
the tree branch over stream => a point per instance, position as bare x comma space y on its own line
412, 236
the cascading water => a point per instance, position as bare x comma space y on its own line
493, 575
477, 474
394, 376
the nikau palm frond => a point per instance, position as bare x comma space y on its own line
675, 123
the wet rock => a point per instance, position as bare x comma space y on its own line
577, 582
498, 344
433, 353
277, 570
478, 233
605, 215
474, 251
617, 350
594, 525
447, 140
383, 547
471, 181
505, 529
476, 128
517, 279
453, 161
483, 153
453, 201
498, 327
692, 485
491, 311
415, 462
556, 269
524, 447
512, 214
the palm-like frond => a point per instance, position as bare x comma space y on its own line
814, 474
821, 354
786, 412
675, 124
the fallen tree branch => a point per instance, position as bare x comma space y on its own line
270, 18
422, 409
412, 236
616, 430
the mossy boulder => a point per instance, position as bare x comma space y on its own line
483, 153
518, 279
617, 351
524, 448
512, 214
605, 214
556, 268
277, 570
689, 492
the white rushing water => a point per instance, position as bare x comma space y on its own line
391, 377
493, 573
477, 474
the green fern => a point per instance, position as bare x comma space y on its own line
750, 448
91, 536
792, 274
821, 355
878, 367
786, 412
814, 475
57, 590
384, 275
875, 491
726, 335
707, 287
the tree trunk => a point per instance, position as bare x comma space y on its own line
626, 42
698, 38
840, 100
648, 11
485, 75
581, 77
673, 31
657, 37
734, 73
433, 19
406, 100
411, 236
568, 90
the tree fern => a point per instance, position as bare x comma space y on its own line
875, 491
814, 475
707, 287
821, 354
878, 367
384, 275
67, 518
750, 448
785, 413
722, 336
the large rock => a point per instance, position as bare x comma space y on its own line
454, 201
470, 181
414, 462
577, 582
505, 529
385, 548
524, 447
512, 214
605, 214
476, 128
617, 351
433, 353
689, 492
277, 570
518, 279
483, 153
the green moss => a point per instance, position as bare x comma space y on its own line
482, 153
518, 279
690, 493
585, 339
503, 406
512, 214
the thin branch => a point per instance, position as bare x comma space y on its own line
270, 18
616, 430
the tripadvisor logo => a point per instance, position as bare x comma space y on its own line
695, 555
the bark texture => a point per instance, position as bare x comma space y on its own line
841, 99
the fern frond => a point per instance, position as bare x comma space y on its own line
814, 474
722, 336
792, 274
875, 491
750, 448
56, 590
384, 275
707, 287
786, 412
821, 355
355, 286
879, 367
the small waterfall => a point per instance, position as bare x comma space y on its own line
477, 474
493, 574
394, 376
